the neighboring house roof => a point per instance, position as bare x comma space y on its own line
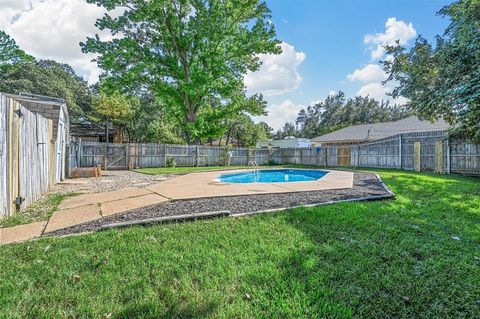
89, 129
375, 131
285, 143
48, 107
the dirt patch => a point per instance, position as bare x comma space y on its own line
109, 181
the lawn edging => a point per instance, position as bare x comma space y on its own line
227, 213
359, 199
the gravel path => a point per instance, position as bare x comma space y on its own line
365, 185
109, 181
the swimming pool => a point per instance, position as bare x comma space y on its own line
273, 176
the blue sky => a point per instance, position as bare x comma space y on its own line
331, 35
323, 41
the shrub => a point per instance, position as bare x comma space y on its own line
171, 162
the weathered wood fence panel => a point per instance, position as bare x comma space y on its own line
123, 156
34, 156
464, 157
25, 156
4, 189
437, 153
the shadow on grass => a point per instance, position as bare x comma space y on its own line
151, 310
375, 260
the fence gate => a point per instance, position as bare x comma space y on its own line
344, 156
116, 156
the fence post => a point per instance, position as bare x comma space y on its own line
165, 155
127, 156
448, 155
326, 156
358, 155
105, 155
197, 157
400, 155
79, 153
417, 156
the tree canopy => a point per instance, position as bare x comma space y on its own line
46, 77
191, 54
336, 112
443, 80
10, 53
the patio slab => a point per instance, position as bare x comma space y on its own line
93, 206
205, 184
21, 233
73, 216
98, 198
123, 205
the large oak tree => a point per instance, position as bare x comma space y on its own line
192, 54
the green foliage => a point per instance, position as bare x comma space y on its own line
10, 53
443, 80
288, 129
171, 163
225, 155
191, 54
246, 133
20, 72
47, 77
336, 112
116, 107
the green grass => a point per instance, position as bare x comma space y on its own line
39, 211
390, 259
183, 170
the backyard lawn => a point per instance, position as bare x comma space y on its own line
417, 256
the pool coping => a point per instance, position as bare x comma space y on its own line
203, 185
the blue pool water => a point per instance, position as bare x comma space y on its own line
273, 176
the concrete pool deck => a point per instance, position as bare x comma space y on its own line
94, 206
205, 184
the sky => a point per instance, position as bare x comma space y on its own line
327, 45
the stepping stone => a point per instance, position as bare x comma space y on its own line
21, 232
71, 217
123, 205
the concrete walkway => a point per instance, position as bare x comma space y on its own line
88, 207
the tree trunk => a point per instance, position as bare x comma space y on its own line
118, 136
228, 135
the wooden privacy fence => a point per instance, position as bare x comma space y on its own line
26, 156
128, 156
425, 151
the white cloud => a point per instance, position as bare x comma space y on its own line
372, 74
369, 73
278, 73
394, 30
380, 92
278, 114
375, 90
53, 29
